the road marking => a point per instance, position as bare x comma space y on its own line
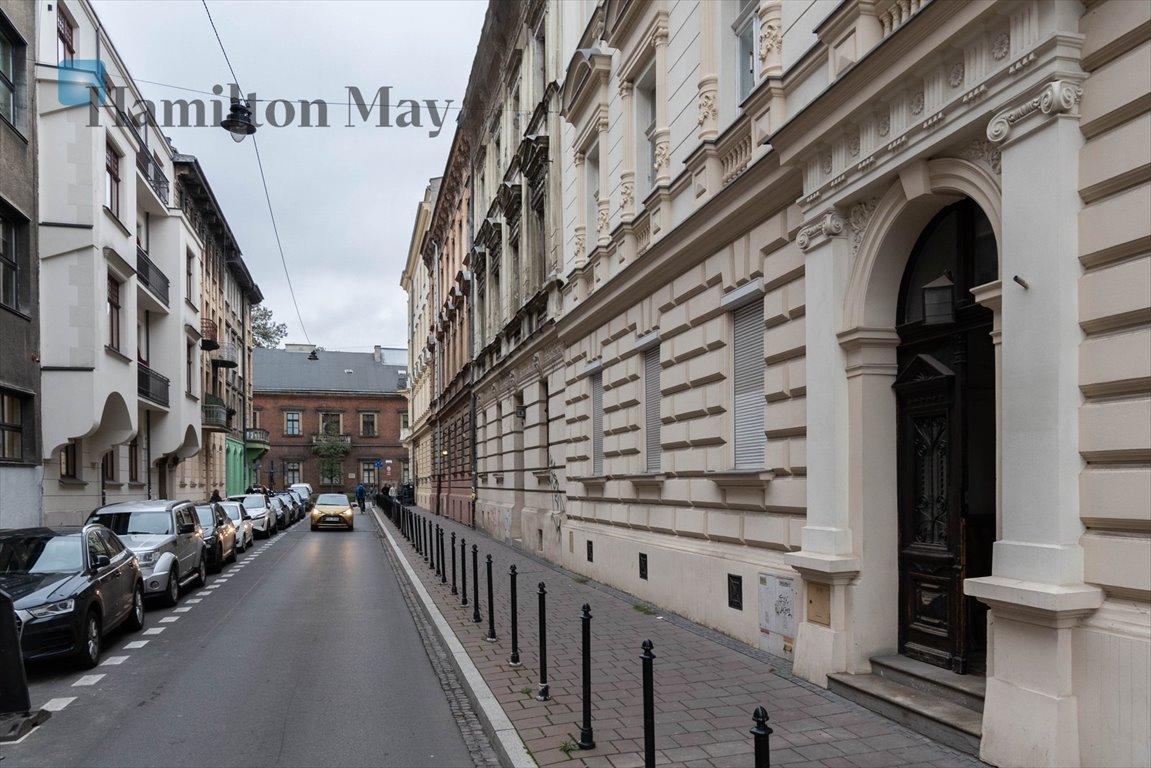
154, 630
181, 610
135, 644
169, 619
210, 588
88, 680
190, 602
55, 705
112, 661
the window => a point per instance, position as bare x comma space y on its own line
256, 419
11, 427
651, 408
292, 472
112, 178
292, 423
597, 424
7, 78
189, 367
735, 592
368, 424
330, 471
65, 37
748, 385
403, 420
69, 468
405, 473
331, 424
746, 28
113, 312
189, 277
368, 472
108, 466
134, 461
9, 263
645, 141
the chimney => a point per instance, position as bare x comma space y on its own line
379, 354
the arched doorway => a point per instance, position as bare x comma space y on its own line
945, 392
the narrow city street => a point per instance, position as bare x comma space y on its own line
302, 653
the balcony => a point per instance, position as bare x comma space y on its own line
209, 335
318, 439
153, 174
214, 418
227, 356
256, 438
152, 386
151, 276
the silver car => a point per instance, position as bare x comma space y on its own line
243, 522
166, 537
259, 508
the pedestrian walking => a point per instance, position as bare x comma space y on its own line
361, 495
215, 495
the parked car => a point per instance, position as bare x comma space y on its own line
219, 535
70, 587
167, 538
305, 502
282, 512
306, 489
292, 501
260, 510
332, 510
243, 522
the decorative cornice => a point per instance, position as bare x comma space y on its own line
1055, 98
830, 224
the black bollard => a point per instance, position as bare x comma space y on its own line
432, 546
762, 734
476, 584
464, 570
436, 550
514, 659
491, 638
443, 565
586, 741
648, 707
424, 525
454, 592
544, 693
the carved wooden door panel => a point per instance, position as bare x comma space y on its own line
930, 436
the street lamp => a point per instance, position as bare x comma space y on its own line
239, 121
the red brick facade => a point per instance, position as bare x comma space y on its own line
354, 415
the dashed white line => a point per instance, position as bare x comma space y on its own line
135, 644
169, 619
181, 610
88, 680
112, 661
191, 602
154, 630
55, 705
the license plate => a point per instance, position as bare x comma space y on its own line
331, 519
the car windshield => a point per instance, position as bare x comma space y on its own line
233, 510
151, 522
333, 499
255, 501
41, 554
207, 518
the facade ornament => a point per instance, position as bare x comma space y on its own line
1055, 98
884, 127
627, 196
985, 152
917, 103
662, 155
858, 218
830, 224
707, 108
825, 163
853, 145
538, 364
579, 246
625, 88
577, 158
1001, 46
658, 35
601, 220
955, 79
769, 40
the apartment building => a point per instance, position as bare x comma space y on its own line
854, 334
21, 472
333, 419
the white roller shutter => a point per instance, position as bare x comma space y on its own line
748, 375
597, 424
651, 408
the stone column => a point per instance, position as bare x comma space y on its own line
662, 129
770, 38
582, 225
603, 216
627, 177
1036, 590
708, 120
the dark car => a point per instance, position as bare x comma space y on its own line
219, 535
292, 502
282, 512
70, 587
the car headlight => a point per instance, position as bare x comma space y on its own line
146, 558
58, 608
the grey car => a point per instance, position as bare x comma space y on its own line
166, 537
219, 535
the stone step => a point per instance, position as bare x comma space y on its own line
944, 721
964, 690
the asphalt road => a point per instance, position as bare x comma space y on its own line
302, 654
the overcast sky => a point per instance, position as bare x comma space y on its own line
344, 197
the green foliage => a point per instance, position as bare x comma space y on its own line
580, 579
645, 609
266, 332
568, 746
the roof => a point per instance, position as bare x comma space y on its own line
281, 370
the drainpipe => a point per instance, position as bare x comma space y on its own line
438, 456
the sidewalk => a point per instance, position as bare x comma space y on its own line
706, 684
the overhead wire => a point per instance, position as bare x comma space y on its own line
264, 182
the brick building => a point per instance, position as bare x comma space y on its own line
330, 420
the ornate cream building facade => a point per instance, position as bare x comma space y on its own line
855, 339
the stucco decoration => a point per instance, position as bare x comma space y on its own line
626, 196
579, 246
983, 151
769, 40
825, 163
1055, 98
917, 103
1001, 46
829, 224
662, 155
858, 218
601, 220
707, 108
884, 125
853, 145
955, 78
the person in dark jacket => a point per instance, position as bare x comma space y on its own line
361, 495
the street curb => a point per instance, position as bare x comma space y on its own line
505, 739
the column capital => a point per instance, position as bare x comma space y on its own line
829, 224
1054, 98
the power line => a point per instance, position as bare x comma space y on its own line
263, 181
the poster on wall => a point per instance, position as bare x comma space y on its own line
776, 614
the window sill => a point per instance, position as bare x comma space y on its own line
113, 484
19, 313
135, 485
117, 354
653, 480
740, 478
72, 482
591, 481
191, 397
115, 218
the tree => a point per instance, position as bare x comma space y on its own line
266, 332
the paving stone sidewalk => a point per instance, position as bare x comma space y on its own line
706, 684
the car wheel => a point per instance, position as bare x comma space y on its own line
202, 573
172, 596
135, 620
90, 649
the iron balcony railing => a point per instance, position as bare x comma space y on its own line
323, 438
152, 386
153, 174
209, 335
256, 435
151, 276
214, 416
227, 356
